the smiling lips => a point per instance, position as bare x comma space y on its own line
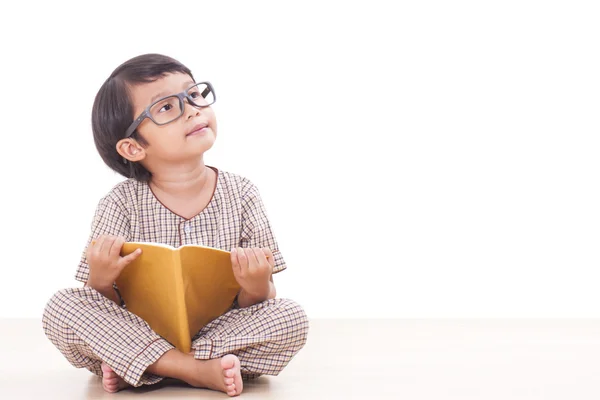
198, 129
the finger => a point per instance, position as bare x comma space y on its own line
124, 261
106, 244
235, 263
90, 248
269, 254
95, 251
261, 259
253, 262
115, 249
243, 260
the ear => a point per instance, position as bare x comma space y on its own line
130, 150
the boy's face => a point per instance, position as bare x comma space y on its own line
179, 140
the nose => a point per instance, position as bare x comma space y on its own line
189, 110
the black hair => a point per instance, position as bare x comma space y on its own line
112, 112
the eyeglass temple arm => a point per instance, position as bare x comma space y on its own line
134, 125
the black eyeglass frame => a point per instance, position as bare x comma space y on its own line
181, 96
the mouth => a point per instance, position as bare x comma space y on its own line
198, 130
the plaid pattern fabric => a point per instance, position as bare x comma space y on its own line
89, 328
265, 336
235, 217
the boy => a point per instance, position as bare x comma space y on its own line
172, 197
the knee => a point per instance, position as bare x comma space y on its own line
55, 309
289, 332
295, 323
56, 304
61, 309
53, 318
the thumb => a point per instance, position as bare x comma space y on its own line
124, 261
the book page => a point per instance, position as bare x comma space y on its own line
209, 284
151, 244
149, 288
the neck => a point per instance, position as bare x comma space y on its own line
184, 181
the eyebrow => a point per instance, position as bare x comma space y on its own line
163, 94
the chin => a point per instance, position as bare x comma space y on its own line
207, 144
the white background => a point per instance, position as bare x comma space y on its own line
422, 159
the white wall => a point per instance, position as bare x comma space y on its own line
430, 159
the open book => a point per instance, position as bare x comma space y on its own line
177, 291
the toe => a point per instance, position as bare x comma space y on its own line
231, 372
105, 368
228, 361
109, 389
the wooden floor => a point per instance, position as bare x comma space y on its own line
360, 359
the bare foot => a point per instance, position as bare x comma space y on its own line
111, 382
221, 374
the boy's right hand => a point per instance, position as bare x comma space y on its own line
105, 261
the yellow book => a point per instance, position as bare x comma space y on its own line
177, 291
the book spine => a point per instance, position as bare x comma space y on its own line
184, 326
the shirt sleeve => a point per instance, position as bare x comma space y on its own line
256, 228
109, 219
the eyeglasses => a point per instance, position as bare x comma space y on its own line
167, 109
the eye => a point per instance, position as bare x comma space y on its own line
195, 94
165, 108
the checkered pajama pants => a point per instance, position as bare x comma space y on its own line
89, 329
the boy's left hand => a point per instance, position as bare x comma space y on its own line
252, 268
